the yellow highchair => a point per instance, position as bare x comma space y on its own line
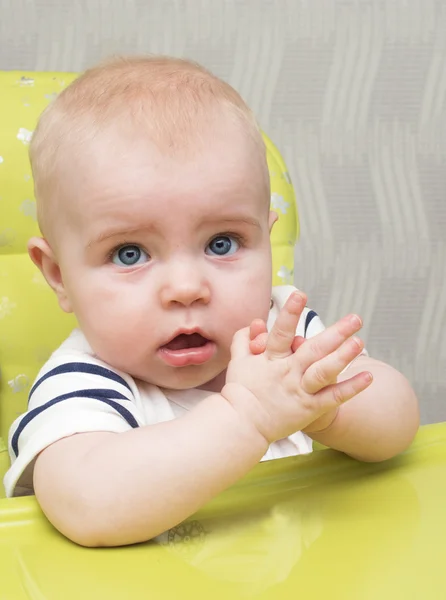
321, 524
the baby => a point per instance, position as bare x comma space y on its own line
153, 200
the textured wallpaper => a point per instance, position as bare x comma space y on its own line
354, 95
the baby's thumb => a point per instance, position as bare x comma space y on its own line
240, 343
258, 345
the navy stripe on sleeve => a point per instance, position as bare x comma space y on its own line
310, 316
101, 395
80, 367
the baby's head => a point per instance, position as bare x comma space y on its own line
153, 196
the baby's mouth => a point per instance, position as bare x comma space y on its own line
185, 341
187, 349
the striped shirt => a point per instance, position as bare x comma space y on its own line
75, 392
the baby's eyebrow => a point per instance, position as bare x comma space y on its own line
233, 220
111, 233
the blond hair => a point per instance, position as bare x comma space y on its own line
169, 100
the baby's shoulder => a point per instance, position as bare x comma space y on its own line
74, 366
74, 349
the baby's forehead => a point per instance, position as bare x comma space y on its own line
223, 146
138, 166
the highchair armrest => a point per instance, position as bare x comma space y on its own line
4, 464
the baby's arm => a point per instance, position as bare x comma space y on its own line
379, 422
105, 489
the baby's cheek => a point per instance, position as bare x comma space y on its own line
97, 311
116, 344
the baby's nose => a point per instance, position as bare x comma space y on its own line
185, 285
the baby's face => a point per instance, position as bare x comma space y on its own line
163, 260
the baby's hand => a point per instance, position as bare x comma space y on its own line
258, 336
291, 384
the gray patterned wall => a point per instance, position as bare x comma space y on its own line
354, 94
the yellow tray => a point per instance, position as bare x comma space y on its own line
323, 525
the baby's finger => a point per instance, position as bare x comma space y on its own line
338, 393
283, 331
257, 327
240, 343
325, 371
327, 341
297, 343
258, 345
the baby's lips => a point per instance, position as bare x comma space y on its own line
185, 341
187, 337
192, 355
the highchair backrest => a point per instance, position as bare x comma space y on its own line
31, 323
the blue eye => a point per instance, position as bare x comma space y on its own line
222, 245
129, 256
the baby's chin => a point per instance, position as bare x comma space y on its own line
187, 378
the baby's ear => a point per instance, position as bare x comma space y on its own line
273, 217
43, 257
